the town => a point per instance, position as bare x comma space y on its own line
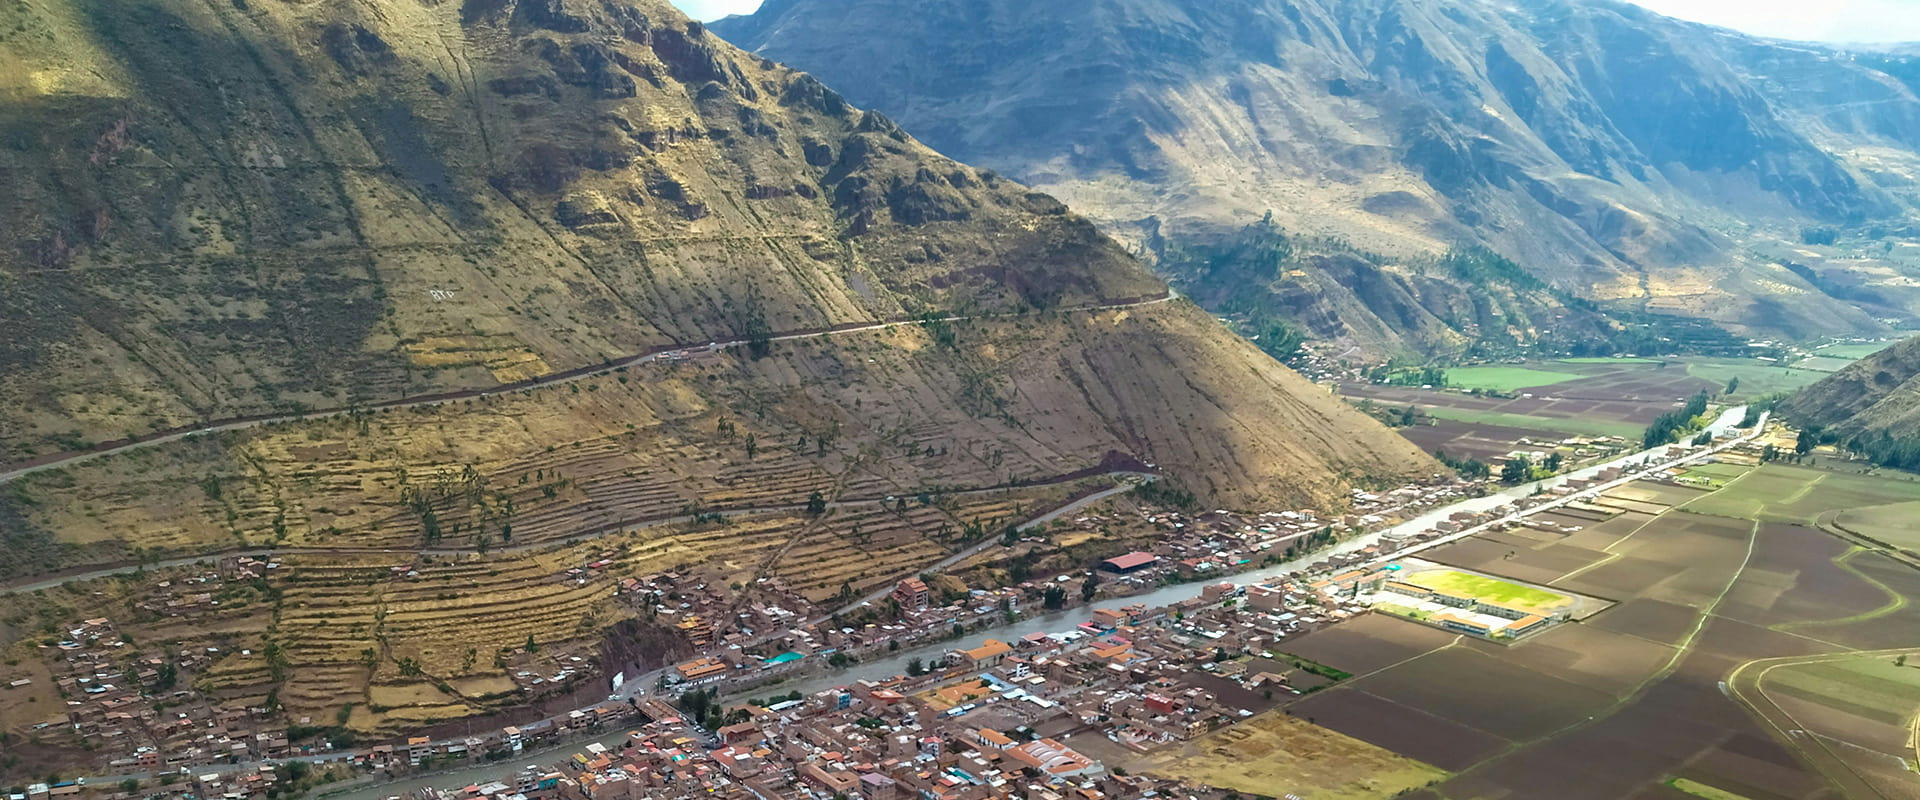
1150, 647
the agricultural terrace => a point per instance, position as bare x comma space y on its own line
1697, 598
1491, 590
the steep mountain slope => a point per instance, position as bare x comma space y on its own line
256, 208
1873, 406
1619, 155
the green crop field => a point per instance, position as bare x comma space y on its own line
1756, 377
1606, 360
1570, 426
1402, 611
1506, 379
1785, 493
1897, 524
1871, 688
1698, 789
1853, 351
1823, 363
1491, 590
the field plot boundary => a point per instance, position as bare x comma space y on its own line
1747, 685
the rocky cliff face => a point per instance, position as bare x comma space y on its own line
223, 210
1617, 154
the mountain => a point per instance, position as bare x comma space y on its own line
270, 209
1871, 407
1650, 165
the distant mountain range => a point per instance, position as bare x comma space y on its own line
1651, 166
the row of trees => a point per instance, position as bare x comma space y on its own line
1669, 427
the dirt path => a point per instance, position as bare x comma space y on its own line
54, 460
48, 582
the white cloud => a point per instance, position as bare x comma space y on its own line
1810, 20
707, 10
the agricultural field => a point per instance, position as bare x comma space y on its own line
1757, 377
1714, 475
1463, 439
1823, 363
1506, 379
1630, 698
1789, 493
1895, 524
1550, 401
1853, 352
1275, 754
1861, 712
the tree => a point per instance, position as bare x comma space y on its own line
532, 646
1516, 471
816, 503
1733, 384
1769, 453
1806, 441
1554, 461
1090, 587
916, 667
1054, 598
753, 446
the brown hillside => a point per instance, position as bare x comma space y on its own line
232, 210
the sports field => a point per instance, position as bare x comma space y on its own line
1506, 379
1491, 590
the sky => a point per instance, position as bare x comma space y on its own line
1816, 20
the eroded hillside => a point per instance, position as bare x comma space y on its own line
1651, 165
270, 207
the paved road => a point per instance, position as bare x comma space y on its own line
56, 460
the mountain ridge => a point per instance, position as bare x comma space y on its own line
1629, 159
353, 203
